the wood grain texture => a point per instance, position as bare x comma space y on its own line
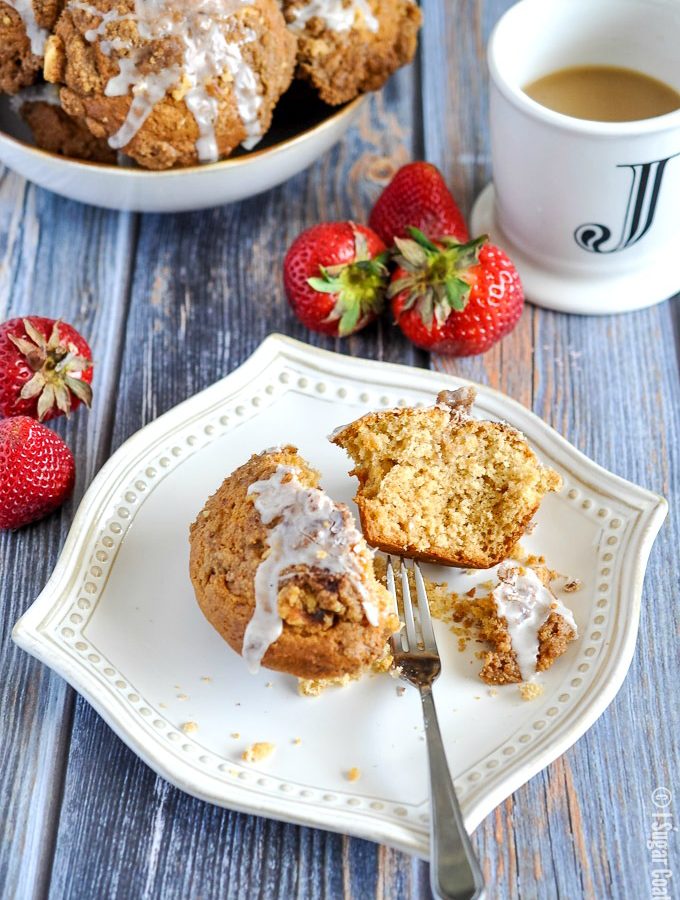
175, 302
35, 705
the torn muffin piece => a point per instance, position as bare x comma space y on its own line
438, 485
280, 570
527, 625
25, 27
347, 47
57, 132
515, 611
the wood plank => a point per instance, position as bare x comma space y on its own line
206, 291
56, 258
610, 386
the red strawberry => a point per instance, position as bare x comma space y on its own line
453, 298
417, 196
45, 368
336, 277
37, 471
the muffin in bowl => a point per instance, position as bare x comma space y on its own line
25, 26
172, 83
280, 570
55, 131
347, 47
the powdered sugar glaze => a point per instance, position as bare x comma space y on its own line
311, 531
526, 603
335, 14
36, 35
208, 54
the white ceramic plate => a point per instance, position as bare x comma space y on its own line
119, 621
303, 131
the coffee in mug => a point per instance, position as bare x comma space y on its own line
604, 94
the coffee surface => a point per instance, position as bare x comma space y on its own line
604, 94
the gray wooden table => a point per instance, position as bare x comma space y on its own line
173, 303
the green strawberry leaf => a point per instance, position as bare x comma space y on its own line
421, 239
412, 254
325, 287
348, 320
457, 293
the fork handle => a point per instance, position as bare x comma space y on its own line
454, 870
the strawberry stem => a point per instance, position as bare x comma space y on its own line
359, 287
436, 281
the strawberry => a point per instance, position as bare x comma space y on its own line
453, 298
336, 277
37, 471
45, 368
418, 197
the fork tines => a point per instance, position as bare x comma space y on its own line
426, 642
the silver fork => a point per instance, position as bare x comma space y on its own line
454, 870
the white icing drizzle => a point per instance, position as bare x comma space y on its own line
526, 603
37, 93
311, 531
208, 56
36, 35
335, 15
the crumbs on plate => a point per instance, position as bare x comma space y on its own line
530, 690
258, 751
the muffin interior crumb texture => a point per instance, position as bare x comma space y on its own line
437, 484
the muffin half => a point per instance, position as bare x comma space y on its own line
438, 485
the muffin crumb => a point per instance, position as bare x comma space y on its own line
189, 727
572, 585
530, 690
258, 751
353, 774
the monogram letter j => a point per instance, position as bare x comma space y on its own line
642, 202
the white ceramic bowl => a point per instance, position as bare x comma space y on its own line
300, 134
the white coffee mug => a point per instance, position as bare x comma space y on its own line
589, 211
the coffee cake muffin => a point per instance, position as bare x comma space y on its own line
57, 132
347, 47
281, 572
25, 26
438, 485
172, 83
